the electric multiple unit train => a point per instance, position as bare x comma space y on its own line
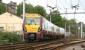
38, 28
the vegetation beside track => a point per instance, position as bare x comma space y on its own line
9, 37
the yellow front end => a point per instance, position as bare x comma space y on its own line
32, 28
32, 23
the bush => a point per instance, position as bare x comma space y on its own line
9, 37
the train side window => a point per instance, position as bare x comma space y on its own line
52, 28
46, 26
57, 30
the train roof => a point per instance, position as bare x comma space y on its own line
62, 28
32, 15
50, 22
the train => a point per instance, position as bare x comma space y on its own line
38, 28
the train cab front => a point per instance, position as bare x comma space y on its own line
32, 27
32, 32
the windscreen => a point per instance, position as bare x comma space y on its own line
32, 21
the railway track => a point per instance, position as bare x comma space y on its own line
38, 46
21, 46
59, 46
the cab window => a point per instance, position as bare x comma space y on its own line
33, 21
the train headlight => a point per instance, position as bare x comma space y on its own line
32, 35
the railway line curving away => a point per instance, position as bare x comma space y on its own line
53, 45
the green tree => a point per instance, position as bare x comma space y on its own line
71, 22
73, 25
56, 18
9, 37
2, 8
28, 9
19, 9
40, 10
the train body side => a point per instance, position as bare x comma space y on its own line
40, 29
49, 27
50, 30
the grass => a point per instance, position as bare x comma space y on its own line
9, 37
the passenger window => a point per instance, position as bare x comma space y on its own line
52, 28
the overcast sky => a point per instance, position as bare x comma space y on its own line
61, 5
